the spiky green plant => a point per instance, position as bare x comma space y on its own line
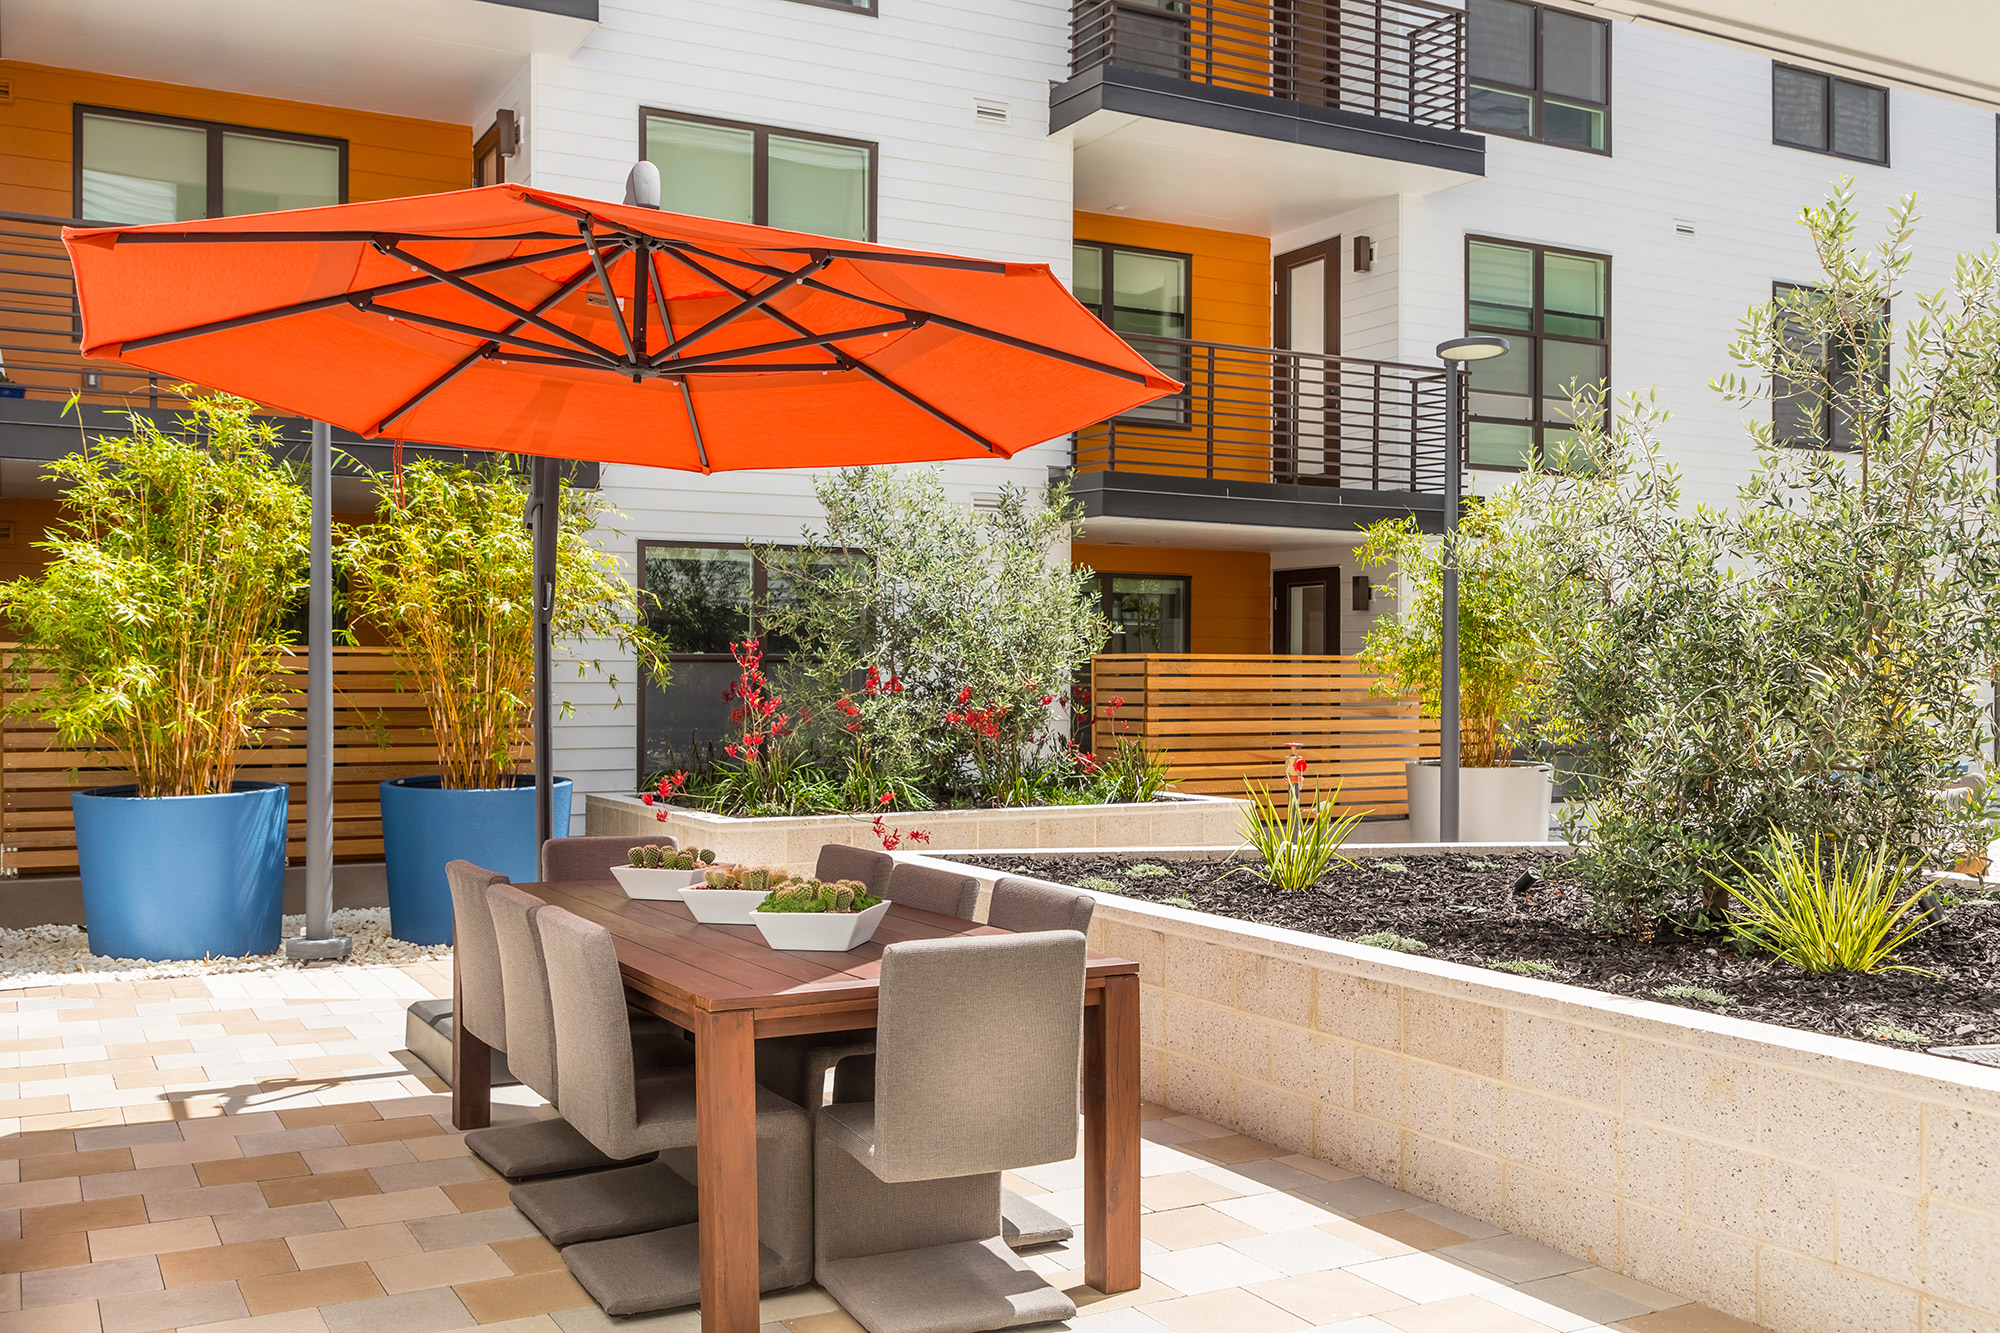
757, 879
1294, 850
706, 856
1845, 912
637, 856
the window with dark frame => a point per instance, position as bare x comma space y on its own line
739, 172
1554, 306
137, 167
1146, 296
705, 597
1824, 113
1540, 73
1148, 612
1800, 417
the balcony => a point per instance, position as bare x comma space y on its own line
1271, 438
40, 331
1227, 110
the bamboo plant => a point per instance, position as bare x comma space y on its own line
156, 628
445, 575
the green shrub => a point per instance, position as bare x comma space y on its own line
1146, 870
1885, 1031
1098, 883
1528, 967
1294, 850
1844, 912
1698, 994
156, 627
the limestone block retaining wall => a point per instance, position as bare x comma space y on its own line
794, 842
1807, 1183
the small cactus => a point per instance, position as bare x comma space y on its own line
637, 856
706, 856
843, 897
656, 857
718, 879
757, 879
684, 861
779, 876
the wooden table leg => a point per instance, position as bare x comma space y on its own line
725, 1074
471, 1066
1111, 1138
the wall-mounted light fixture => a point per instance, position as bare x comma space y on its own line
1364, 254
1364, 592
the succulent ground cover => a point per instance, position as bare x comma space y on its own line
1478, 910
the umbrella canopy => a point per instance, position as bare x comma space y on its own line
515, 319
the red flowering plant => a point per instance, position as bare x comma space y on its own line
872, 729
1124, 766
664, 791
761, 729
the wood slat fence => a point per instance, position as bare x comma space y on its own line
1219, 719
379, 733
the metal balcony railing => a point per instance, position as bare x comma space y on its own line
1258, 414
1399, 59
41, 326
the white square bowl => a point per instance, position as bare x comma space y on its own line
819, 932
721, 907
655, 885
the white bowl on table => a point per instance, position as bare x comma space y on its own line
656, 885
819, 932
722, 907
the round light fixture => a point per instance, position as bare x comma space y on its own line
1479, 347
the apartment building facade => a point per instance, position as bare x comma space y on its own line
1286, 205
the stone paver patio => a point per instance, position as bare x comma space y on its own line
256, 1154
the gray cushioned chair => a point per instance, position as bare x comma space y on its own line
571, 1208
978, 1043
530, 1148
1022, 903
592, 857
624, 1115
933, 890
872, 868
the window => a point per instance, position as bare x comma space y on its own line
1800, 415
1148, 613
750, 173
1539, 73
1823, 113
132, 167
1554, 306
1146, 295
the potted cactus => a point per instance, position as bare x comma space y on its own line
727, 894
660, 873
807, 915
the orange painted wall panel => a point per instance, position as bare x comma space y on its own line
387, 156
1229, 591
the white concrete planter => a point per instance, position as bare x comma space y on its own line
722, 907
819, 932
1803, 1182
655, 884
1508, 804
793, 843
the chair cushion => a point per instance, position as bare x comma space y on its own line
1024, 1223
537, 1148
602, 1204
655, 1270
851, 1126
959, 1288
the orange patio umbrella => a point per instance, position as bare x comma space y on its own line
520, 320
524, 321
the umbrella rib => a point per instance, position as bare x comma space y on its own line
694, 424
151, 237
344, 298
878, 257
497, 302
790, 344
484, 350
747, 302
610, 294
473, 330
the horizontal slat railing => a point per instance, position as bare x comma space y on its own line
1399, 59
379, 734
1219, 720
1262, 414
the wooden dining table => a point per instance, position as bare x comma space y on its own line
729, 988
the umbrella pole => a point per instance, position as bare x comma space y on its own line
545, 503
319, 943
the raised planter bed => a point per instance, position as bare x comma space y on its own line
793, 843
1803, 1181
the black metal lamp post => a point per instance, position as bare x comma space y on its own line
1454, 352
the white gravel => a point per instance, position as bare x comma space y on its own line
51, 955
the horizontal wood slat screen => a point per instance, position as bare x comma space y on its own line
378, 734
1218, 720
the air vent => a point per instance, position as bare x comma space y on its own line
988, 110
6, 532
6, 90
1683, 227
986, 500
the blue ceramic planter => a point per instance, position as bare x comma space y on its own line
182, 876
424, 826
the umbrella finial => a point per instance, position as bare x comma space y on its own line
642, 185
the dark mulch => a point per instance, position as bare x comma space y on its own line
1466, 909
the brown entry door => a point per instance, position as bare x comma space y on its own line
1305, 399
1305, 619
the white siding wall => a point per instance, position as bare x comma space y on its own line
1691, 138
906, 81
